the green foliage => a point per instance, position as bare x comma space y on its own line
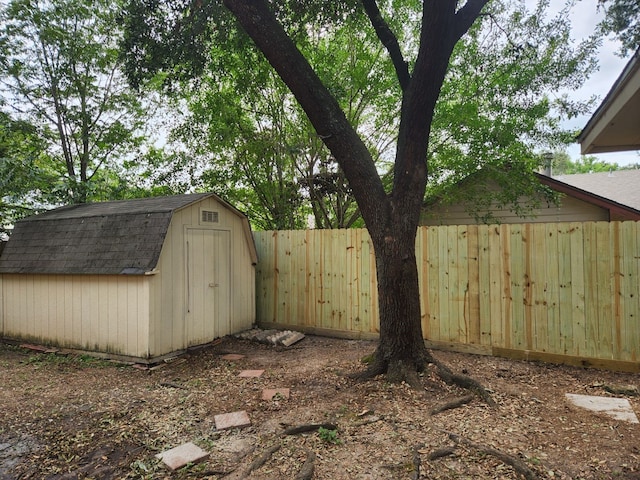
499, 106
329, 436
563, 165
249, 141
59, 73
23, 168
622, 18
77, 361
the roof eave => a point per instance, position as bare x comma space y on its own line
605, 115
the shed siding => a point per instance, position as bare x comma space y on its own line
168, 330
103, 313
570, 210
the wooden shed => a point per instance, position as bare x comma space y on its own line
139, 279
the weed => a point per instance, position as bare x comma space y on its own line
41, 359
329, 436
143, 470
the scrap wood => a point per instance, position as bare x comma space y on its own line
310, 427
172, 385
518, 465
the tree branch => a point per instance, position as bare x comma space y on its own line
467, 15
389, 40
321, 107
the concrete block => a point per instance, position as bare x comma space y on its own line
182, 455
618, 408
232, 420
232, 357
292, 338
269, 393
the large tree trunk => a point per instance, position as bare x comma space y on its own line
391, 219
401, 351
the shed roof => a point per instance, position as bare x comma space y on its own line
120, 237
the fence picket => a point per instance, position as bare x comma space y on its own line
566, 289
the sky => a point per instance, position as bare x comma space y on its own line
584, 20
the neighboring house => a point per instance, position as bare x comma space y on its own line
615, 125
575, 205
621, 186
138, 279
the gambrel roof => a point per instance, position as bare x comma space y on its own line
120, 237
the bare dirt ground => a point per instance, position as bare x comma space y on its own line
70, 417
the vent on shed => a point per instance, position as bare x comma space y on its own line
209, 217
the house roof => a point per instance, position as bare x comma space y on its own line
619, 186
615, 125
617, 195
120, 237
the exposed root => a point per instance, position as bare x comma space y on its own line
441, 452
306, 472
416, 462
458, 402
398, 371
518, 465
237, 474
463, 381
374, 369
261, 459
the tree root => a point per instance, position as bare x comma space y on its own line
374, 369
518, 465
463, 381
458, 402
261, 459
416, 462
306, 472
398, 371
441, 452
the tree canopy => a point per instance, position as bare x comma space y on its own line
622, 18
59, 72
497, 109
176, 41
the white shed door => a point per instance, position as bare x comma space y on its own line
208, 285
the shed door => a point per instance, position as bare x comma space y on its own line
208, 285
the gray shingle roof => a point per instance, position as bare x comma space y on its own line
621, 186
122, 237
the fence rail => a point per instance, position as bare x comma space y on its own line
565, 292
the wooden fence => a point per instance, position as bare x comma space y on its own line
563, 292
